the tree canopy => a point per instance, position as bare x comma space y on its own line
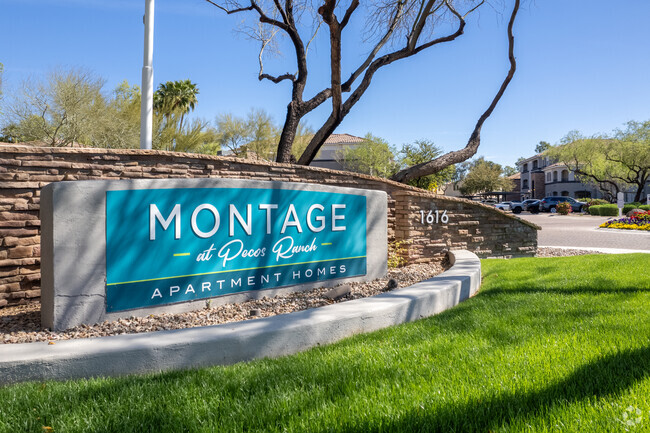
394, 31
175, 98
613, 162
374, 157
542, 146
256, 135
61, 110
70, 107
485, 176
419, 152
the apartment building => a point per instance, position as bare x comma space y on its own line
542, 177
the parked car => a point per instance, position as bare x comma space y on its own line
549, 204
533, 207
504, 205
519, 206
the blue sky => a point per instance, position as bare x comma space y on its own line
582, 65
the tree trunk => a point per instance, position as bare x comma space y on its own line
640, 185
319, 139
637, 196
288, 132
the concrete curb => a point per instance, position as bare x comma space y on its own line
241, 341
600, 250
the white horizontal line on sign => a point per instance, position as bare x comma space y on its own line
233, 270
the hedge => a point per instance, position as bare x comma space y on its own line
604, 210
628, 207
612, 209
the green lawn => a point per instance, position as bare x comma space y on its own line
549, 344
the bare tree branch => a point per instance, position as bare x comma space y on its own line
318, 99
391, 29
393, 16
262, 75
419, 25
474, 8
281, 11
475, 138
276, 80
230, 11
348, 13
335, 119
312, 37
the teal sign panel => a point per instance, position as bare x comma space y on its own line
174, 245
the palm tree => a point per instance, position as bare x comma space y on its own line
176, 97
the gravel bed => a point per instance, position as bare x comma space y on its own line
562, 252
22, 324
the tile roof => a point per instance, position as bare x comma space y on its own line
343, 138
556, 165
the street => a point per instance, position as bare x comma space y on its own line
581, 231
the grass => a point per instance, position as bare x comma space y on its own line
553, 344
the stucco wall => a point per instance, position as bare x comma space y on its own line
24, 170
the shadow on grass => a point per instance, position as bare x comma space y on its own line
596, 286
167, 400
607, 376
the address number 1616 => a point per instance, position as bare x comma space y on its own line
434, 217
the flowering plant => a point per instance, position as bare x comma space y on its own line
637, 221
564, 208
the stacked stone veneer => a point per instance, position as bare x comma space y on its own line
481, 229
24, 170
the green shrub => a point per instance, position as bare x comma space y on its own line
595, 209
608, 210
594, 202
628, 207
645, 207
604, 210
397, 253
634, 205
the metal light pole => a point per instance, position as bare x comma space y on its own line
146, 102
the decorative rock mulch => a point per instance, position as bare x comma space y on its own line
562, 252
22, 323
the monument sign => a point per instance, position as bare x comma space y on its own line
119, 248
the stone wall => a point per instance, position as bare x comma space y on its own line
420, 221
24, 170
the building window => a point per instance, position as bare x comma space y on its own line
583, 194
525, 170
565, 193
525, 185
565, 175
554, 194
548, 177
555, 176
534, 165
